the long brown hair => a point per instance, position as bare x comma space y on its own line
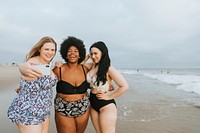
104, 63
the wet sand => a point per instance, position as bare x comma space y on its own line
144, 109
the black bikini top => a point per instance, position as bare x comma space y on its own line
67, 88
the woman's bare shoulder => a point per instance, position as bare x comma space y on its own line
33, 60
112, 69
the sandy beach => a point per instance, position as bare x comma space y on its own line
148, 107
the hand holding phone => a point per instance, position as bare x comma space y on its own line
44, 68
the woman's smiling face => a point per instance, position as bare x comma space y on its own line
73, 54
95, 54
47, 52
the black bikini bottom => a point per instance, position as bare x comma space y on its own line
97, 104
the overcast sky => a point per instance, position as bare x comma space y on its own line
138, 33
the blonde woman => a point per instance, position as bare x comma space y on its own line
30, 109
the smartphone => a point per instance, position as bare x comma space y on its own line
44, 68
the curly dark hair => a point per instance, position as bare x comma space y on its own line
104, 63
72, 41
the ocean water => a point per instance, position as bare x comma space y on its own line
186, 79
155, 93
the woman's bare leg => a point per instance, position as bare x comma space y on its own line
45, 125
81, 122
95, 119
65, 124
108, 118
29, 128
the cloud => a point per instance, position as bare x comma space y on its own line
153, 33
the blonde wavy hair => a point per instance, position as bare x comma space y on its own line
35, 51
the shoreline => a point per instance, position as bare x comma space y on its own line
149, 106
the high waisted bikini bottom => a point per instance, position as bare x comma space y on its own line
71, 109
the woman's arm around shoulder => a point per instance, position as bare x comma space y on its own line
56, 71
119, 80
88, 66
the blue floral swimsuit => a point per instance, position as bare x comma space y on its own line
33, 103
